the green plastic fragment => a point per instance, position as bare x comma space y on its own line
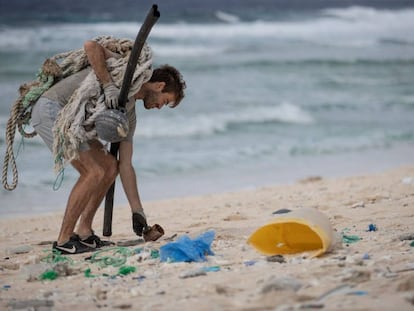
55, 256
155, 253
348, 239
88, 273
114, 256
49, 275
124, 270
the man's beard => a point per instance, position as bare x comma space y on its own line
150, 100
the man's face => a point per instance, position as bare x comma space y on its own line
157, 99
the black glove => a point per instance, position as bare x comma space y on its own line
139, 223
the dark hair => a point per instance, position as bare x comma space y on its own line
173, 81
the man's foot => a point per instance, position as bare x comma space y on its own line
93, 241
73, 246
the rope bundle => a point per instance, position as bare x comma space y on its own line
53, 70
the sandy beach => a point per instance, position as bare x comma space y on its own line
374, 272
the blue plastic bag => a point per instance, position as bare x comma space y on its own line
188, 250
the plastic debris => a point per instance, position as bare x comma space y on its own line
113, 256
311, 305
155, 254
126, 243
139, 278
412, 244
49, 275
212, 269
303, 230
348, 239
55, 256
250, 263
6, 287
407, 237
88, 273
282, 211
276, 258
358, 293
125, 270
188, 250
192, 273
366, 256
372, 227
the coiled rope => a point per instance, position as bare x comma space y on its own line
50, 73
20, 117
9, 156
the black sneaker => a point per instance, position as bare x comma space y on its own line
73, 246
93, 241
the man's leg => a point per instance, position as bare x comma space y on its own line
96, 167
84, 228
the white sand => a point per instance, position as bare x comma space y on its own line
384, 280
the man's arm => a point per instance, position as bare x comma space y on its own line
128, 176
129, 182
97, 56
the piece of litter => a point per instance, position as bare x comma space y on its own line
276, 258
250, 263
407, 237
358, 293
49, 275
212, 269
281, 211
186, 249
348, 239
139, 278
87, 273
372, 227
358, 204
312, 305
124, 270
192, 273
155, 253
127, 243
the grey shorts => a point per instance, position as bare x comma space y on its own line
44, 115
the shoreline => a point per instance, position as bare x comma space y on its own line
367, 270
238, 177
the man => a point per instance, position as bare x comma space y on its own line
98, 168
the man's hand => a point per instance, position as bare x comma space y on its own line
139, 223
111, 95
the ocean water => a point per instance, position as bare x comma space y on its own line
275, 91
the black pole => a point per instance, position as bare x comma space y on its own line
142, 36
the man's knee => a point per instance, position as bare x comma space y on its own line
97, 165
112, 168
